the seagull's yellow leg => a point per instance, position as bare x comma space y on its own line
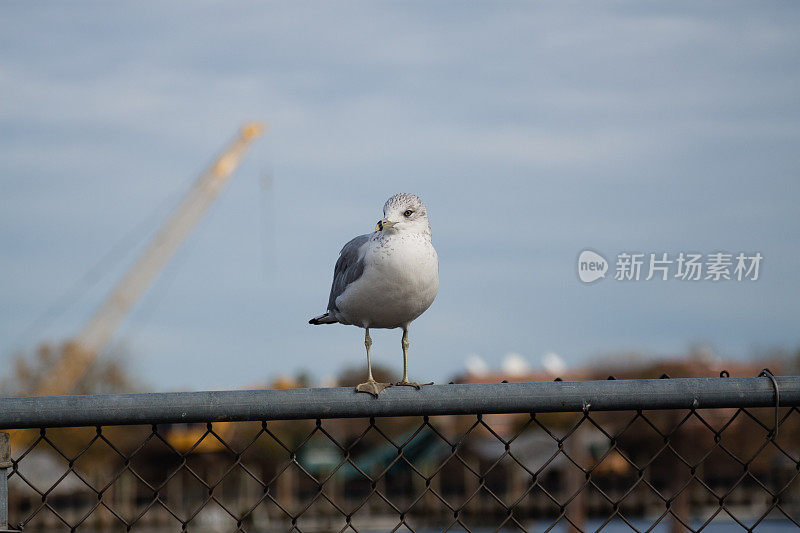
368, 345
405, 381
370, 386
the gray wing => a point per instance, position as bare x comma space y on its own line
349, 268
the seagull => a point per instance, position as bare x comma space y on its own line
386, 279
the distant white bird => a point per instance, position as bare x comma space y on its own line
386, 279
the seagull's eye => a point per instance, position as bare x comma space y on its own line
408, 212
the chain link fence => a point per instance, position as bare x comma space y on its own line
633, 455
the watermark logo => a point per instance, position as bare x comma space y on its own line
683, 266
591, 266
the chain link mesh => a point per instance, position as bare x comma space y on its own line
678, 470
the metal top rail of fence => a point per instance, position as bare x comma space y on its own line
684, 454
452, 399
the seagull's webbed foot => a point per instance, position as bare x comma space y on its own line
406, 383
372, 387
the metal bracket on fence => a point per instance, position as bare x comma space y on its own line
766, 372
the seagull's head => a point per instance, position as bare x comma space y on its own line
404, 212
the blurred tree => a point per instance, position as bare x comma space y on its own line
796, 363
303, 378
353, 375
105, 375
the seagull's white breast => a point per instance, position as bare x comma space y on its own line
400, 281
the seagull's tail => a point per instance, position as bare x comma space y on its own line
323, 319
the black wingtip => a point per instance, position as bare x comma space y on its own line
317, 320
322, 319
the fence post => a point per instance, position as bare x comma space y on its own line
5, 464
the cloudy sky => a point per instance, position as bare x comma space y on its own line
531, 130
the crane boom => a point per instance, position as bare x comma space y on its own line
84, 348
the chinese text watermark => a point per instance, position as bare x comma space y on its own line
684, 266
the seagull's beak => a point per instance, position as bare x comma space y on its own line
383, 224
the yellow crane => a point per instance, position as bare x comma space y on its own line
81, 351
